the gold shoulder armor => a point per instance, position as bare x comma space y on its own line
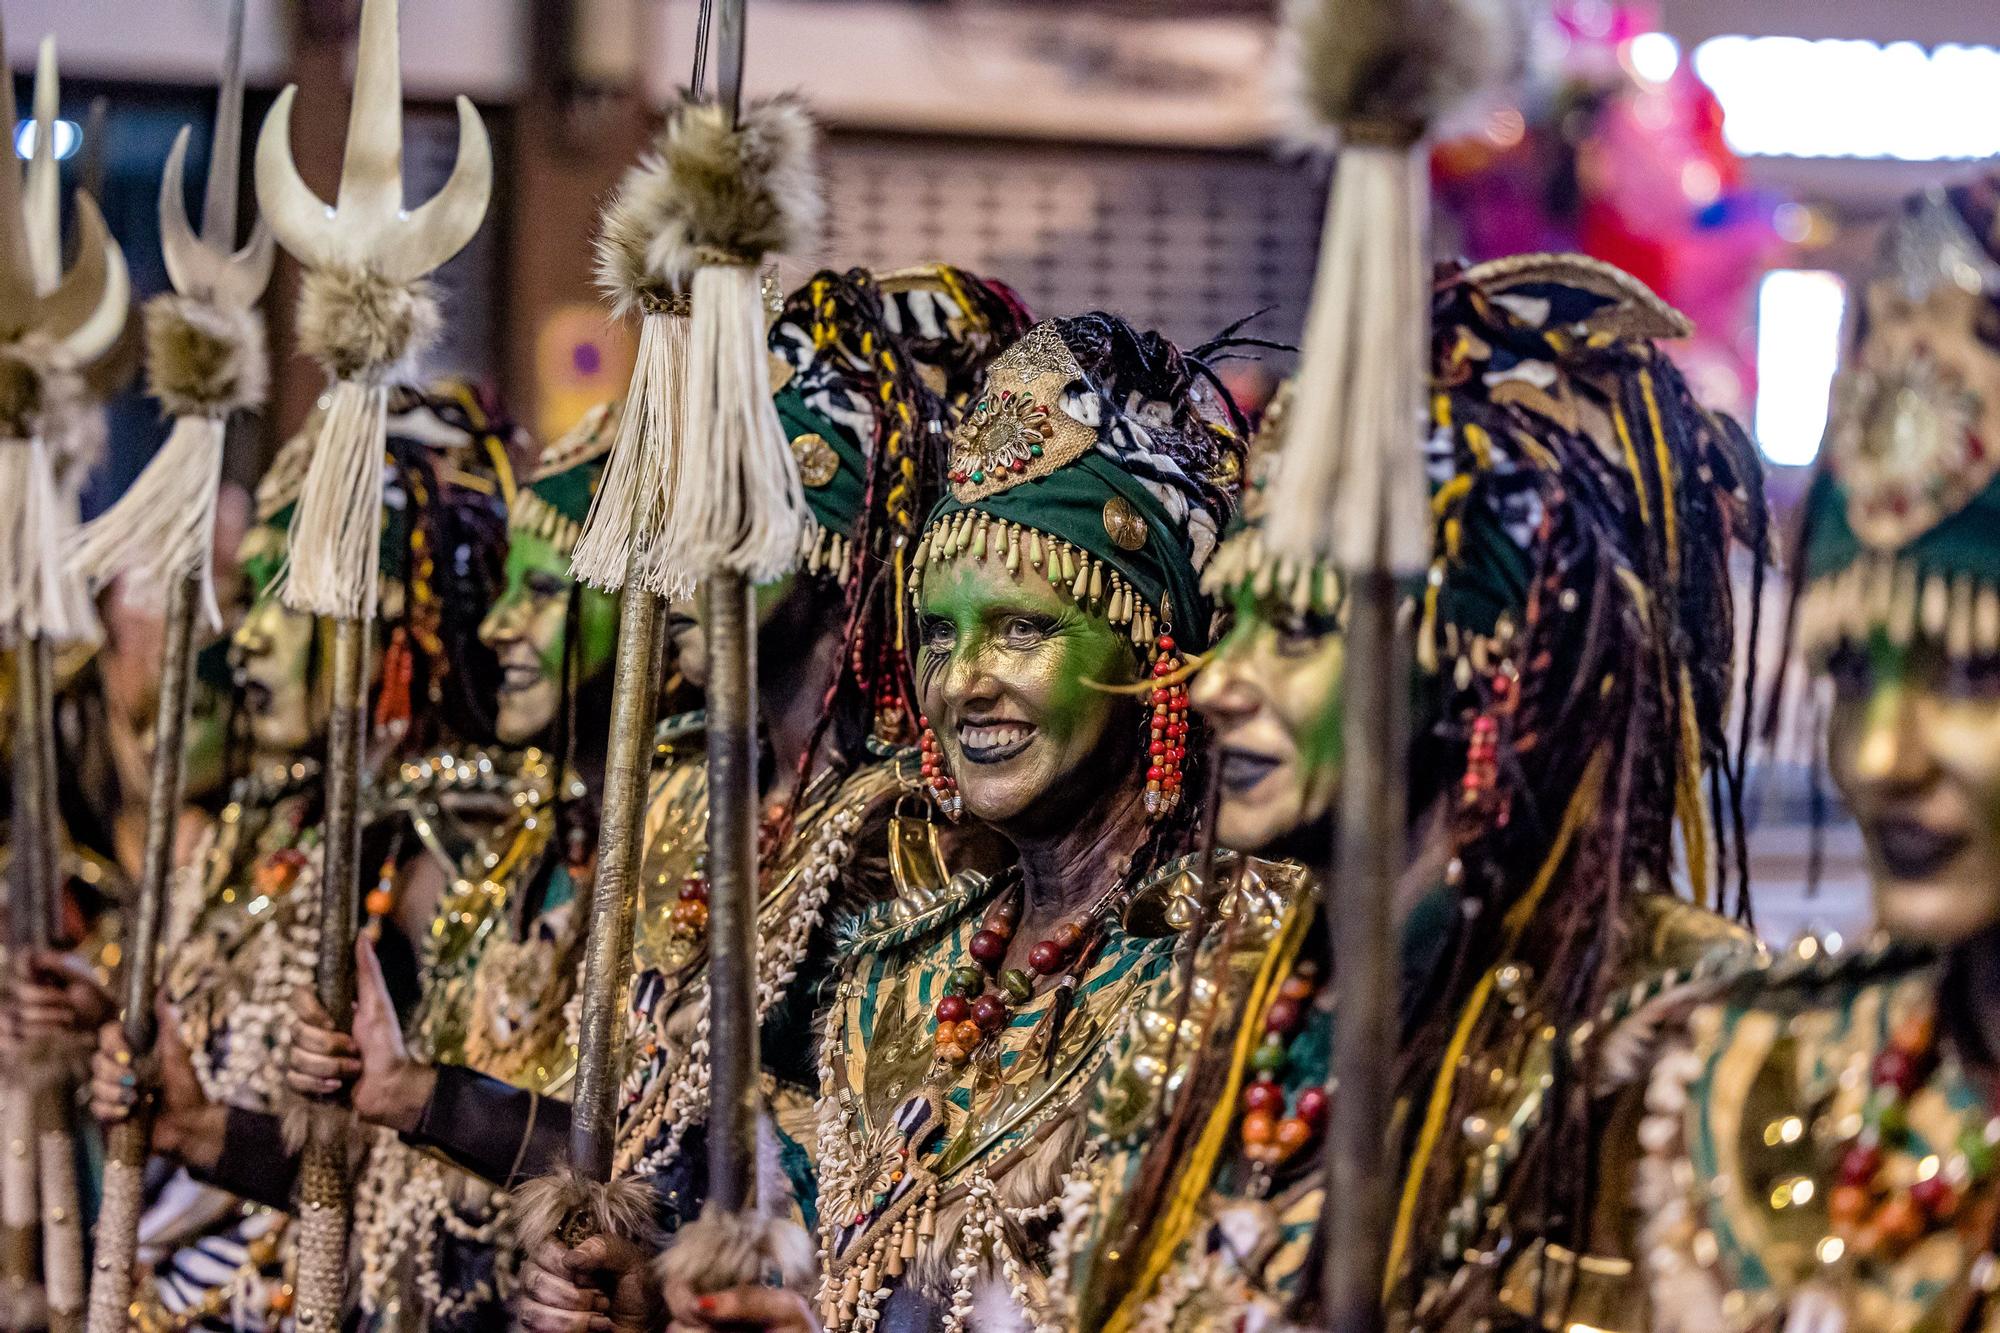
1671, 934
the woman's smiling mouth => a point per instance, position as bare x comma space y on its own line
516, 677
993, 742
1241, 770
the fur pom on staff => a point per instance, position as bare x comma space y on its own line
633, 495
366, 330
724, 198
567, 1202
204, 362
40, 594
1348, 487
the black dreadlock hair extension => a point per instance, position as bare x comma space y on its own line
1623, 649
847, 315
1124, 361
462, 535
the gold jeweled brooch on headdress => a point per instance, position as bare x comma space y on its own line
1905, 439
1017, 431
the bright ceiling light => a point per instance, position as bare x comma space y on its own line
1799, 317
1789, 97
1654, 56
67, 134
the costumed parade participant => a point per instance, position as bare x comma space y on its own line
206, 361
56, 322
498, 944
243, 946
1822, 1133
1054, 584
870, 366
1574, 639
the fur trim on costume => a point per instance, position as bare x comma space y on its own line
721, 1249
1394, 66
365, 327
37, 395
299, 1117
543, 1208
711, 192
204, 359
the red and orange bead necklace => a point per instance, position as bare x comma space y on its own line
980, 996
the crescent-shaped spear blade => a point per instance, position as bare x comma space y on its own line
43, 194
73, 309
440, 229
198, 268
249, 270
299, 218
371, 169
218, 212
101, 325
189, 262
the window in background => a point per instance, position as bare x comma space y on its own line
1800, 313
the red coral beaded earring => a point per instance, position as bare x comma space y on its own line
1166, 745
943, 787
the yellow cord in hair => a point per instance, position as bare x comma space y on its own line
1667, 485
1687, 795
1197, 1168
1580, 803
1481, 445
1632, 463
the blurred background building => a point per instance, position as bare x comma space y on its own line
1737, 155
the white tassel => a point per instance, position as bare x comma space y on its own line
635, 493
337, 531
1349, 484
40, 597
163, 527
738, 504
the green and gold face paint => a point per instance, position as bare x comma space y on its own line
527, 629
1005, 666
271, 656
1271, 696
1914, 744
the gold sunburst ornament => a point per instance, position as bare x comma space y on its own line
1005, 434
1907, 447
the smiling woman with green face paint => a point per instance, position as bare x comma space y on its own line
1874, 1208
1005, 670
1055, 593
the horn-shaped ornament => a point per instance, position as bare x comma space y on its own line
205, 345
365, 311
206, 355
52, 325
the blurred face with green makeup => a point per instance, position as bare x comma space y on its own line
1005, 667
1914, 744
528, 629
271, 657
1271, 698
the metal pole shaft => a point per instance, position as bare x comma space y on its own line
324, 1203
608, 949
125, 1158
1368, 858
729, 625
19, 1204
34, 835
